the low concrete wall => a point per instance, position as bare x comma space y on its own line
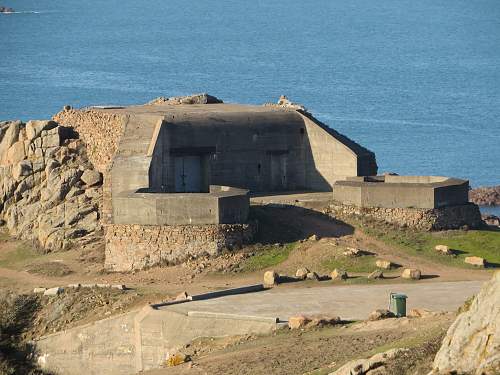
402, 191
450, 217
222, 205
131, 246
137, 341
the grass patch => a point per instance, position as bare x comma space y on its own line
267, 256
365, 263
481, 243
17, 257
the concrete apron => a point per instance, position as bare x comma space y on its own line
142, 340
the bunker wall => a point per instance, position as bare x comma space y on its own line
136, 207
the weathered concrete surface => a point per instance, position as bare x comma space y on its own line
472, 343
402, 191
349, 302
137, 341
220, 206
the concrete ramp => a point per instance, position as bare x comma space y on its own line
139, 340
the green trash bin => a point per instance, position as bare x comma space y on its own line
397, 304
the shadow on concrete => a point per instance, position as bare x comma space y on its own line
287, 223
427, 277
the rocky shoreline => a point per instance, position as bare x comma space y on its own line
485, 196
6, 10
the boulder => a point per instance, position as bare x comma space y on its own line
314, 237
176, 359
183, 296
377, 274
443, 249
475, 261
380, 314
271, 278
39, 290
411, 273
472, 343
91, 177
301, 273
352, 252
312, 276
339, 274
385, 264
35, 127
296, 322
53, 291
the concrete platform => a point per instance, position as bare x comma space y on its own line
350, 302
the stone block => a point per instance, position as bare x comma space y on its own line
411, 273
384, 264
443, 249
312, 276
339, 274
377, 274
475, 261
296, 322
301, 273
380, 314
271, 278
53, 291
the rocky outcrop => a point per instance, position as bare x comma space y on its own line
485, 196
190, 99
42, 195
472, 343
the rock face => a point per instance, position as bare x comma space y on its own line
472, 343
42, 196
485, 196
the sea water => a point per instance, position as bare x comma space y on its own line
417, 82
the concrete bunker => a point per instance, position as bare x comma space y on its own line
422, 202
177, 175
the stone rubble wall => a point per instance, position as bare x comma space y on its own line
100, 131
452, 217
49, 191
134, 247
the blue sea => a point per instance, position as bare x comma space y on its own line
417, 82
